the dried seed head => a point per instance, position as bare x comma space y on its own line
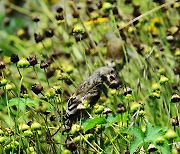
126, 152
75, 14
127, 90
175, 98
14, 58
174, 121
43, 64
128, 1
2, 65
49, 33
50, 72
36, 19
52, 118
68, 81
65, 128
70, 145
59, 9
152, 148
37, 88
6, 21
88, 2
56, 54
176, 70
32, 60
121, 108
107, 110
59, 17
38, 37
2, 94
115, 11
99, 4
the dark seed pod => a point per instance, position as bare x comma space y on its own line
2, 65
176, 70
152, 148
107, 110
32, 60
127, 90
115, 11
126, 152
121, 108
88, 2
50, 72
174, 121
29, 123
128, 1
43, 64
14, 58
59, 9
6, 21
68, 81
75, 14
84, 35
59, 17
175, 98
36, 19
159, 1
136, 11
90, 8
70, 145
2, 94
1, 51
52, 118
37, 88
66, 128
49, 33
99, 4
55, 54
23, 90
46, 112
38, 37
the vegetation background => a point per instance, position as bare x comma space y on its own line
49, 47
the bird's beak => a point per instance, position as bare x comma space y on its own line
113, 81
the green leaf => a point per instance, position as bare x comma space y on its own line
18, 102
90, 123
21, 103
164, 148
138, 140
152, 133
120, 117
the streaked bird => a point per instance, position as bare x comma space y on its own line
90, 90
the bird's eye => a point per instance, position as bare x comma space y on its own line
112, 71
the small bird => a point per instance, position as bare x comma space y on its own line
90, 90
115, 51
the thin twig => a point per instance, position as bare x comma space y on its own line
147, 13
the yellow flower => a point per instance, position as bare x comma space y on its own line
98, 20
155, 23
51, 1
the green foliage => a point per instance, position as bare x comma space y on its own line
149, 136
21, 103
90, 123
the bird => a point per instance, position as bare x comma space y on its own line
115, 53
90, 90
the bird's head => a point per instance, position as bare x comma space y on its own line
110, 77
